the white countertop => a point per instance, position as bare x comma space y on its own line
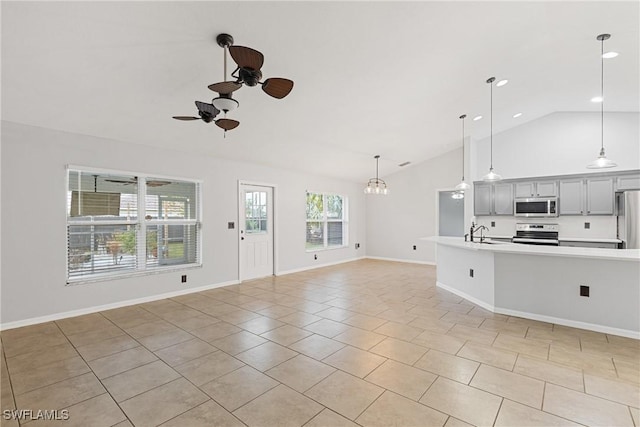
566, 239
589, 239
565, 251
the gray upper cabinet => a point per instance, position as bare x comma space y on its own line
630, 182
503, 199
535, 189
482, 199
571, 197
525, 189
492, 199
600, 196
546, 189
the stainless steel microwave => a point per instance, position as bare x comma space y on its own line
536, 207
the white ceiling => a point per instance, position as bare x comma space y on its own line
388, 78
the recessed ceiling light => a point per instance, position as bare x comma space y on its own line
502, 82
596, 99
476, 118
516, 115
609, 55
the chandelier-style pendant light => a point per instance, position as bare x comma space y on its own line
463, 185
602, 162
491, 176
376, 185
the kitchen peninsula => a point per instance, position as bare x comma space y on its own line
589, 288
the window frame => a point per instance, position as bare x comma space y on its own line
140, 224
325, 220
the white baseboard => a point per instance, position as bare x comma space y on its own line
313, 267
95, 309
466, 296
571, 323
542, 318
411, 261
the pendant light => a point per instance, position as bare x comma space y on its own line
376, 185
602, 162
463, 185
457, 195
491, 176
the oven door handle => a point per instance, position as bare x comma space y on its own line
525, 240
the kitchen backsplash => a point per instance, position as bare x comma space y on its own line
600, 227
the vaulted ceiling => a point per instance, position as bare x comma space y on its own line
388, 78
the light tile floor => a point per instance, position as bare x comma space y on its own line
368, 343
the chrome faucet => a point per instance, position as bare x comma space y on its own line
475, 229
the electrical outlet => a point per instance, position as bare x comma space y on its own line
493, 223
184, 278
415, 247
231, 225
587, 225
584, 291
357, 245
315, 256
471, 272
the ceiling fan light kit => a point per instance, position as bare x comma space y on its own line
602, 162
376, 185
248, 72
491, 176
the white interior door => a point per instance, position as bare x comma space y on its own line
256, 231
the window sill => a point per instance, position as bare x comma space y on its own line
330, 248
150, 272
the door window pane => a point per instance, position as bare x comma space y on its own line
256, 212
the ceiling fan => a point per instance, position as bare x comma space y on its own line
249, 62
150, 183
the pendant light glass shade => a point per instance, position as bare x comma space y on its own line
376, 185
457, 195
602, 162
491, 176
463, 185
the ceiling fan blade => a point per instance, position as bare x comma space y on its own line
120, 181
186, 118
246, 57
227, 124
277, 87
207, 108
225, 87
157, 183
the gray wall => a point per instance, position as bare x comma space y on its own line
34, 235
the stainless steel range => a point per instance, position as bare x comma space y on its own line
536, 234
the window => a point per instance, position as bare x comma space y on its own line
119, 224
326, 221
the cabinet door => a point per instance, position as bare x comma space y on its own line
571, 200
546, 188
600, 196
525, 189
481, 199
503, 199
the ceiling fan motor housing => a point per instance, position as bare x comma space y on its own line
249, 76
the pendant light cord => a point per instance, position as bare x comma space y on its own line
491, 120
602, 95
463, 117
377, 160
